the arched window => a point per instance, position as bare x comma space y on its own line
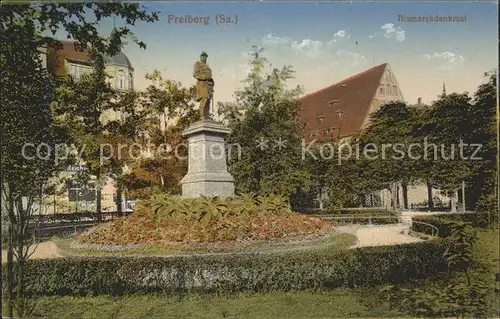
388, 90
130, 81
121, 80
395, 93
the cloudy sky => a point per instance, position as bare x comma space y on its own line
324, 42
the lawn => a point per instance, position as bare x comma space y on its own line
337, 303
340, 303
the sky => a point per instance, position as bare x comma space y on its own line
325, 42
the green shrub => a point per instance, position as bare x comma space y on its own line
210, 209
463, 296
446, 222
323, 268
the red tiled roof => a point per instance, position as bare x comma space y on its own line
68, 51
351, 96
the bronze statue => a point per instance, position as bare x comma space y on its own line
204, 85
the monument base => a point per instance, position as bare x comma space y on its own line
220, 185
207, 169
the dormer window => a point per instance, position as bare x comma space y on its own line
332, 103
344, 85
338, 114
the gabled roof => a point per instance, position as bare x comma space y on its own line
71, 52
68, 51
351, 98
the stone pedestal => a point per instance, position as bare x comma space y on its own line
207, 168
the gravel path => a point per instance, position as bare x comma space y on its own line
380, 235
383, 236
44, 250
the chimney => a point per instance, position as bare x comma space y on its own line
419, 101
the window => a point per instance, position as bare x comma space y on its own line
338, 114
395, 90
388, 90
130, 81
77, 72
332, 103
72, 70
320, 119
121, 80
381, 90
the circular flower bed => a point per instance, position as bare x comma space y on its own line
164, 221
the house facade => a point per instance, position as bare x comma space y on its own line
70, 59
343, 110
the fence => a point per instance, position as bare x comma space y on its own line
76, 217
60, 231
364, 220
48, 225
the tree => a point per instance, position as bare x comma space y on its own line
165, 166
483, 124
444, 133
27, 90
275, 166
28, 136
390, 133
83, 102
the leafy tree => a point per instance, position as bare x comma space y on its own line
80, 20
27, 118
83, 102
27, 127
270, 117
483, 127
166, 164
389, 134
444, 133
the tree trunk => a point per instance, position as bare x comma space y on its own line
98, 197
10, 258
20, 262
398, 204
394, 194
430, 200
119, 199
405, 194
10, 272
453, 202
320, 198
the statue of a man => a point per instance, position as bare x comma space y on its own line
204, 85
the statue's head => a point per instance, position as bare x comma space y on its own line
203, 56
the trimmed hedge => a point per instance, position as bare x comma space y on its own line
325, 268
445, 222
